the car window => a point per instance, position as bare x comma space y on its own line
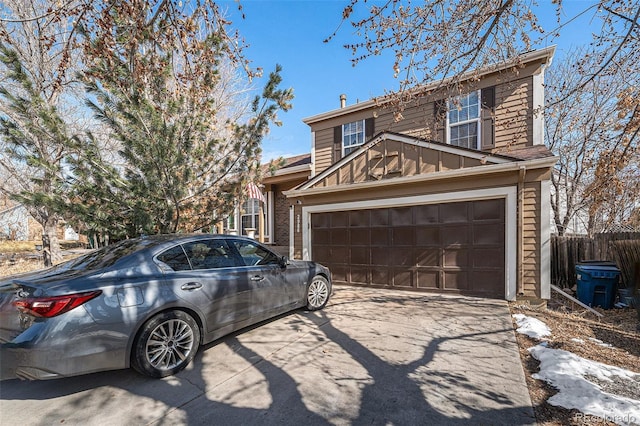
210, 254
254, 254
175, 258
108, 255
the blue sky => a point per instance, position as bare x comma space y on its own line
291, 33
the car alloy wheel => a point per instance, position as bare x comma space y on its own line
318, 293
166, 344
169, 344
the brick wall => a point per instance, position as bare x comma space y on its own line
281, 217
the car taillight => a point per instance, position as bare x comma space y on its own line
51, 306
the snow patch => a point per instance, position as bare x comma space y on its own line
566, 372
600, 343
532, 327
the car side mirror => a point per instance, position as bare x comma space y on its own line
284, 261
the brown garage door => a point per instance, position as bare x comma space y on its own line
450, 247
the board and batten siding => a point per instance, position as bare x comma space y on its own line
513, 120
531, 229
514, 114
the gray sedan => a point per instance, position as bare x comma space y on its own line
147, 303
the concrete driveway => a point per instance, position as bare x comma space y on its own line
371, 357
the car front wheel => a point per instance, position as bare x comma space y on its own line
166, 344
317, 293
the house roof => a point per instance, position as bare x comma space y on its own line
545, 55
288, 167
526, 153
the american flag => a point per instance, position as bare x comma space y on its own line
254, 192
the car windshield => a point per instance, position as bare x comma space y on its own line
106, 256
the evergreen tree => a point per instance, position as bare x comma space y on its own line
181, 162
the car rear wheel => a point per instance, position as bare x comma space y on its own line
166, 344
317, 293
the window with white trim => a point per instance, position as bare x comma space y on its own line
352, 136
250, 217
463, 121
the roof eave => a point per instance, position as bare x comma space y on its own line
545, 54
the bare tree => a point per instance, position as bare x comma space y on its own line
39, 59
582, 126
435, 39
448, 40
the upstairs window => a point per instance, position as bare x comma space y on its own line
353, 135
463, 121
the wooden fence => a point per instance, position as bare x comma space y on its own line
567, 251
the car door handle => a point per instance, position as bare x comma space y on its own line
257, 278
191, 286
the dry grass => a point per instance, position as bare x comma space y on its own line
18, 246
617, 328
20, 266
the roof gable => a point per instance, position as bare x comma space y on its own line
392, 155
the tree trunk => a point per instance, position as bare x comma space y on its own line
50, 244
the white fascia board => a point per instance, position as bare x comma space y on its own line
448, 174
291, 170
313, 154
538, 107
509, 193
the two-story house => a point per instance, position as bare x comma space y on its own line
452, 198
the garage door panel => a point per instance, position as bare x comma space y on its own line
339, 254
403, 236
339, 273
401, 216
380, 276
458, 258
322, 254
427, 235
360, 218
360, 255
339, 219
380, 256
454, 212
402, 278
492, 280
454, 247
360, 237
456, 280
487, 258
402, 257
425, 215
492, 234
455, 235
360, 275
320, 236
488, 210
320, 221
379, 217
380, 237
428, 279
339, 236
428, 257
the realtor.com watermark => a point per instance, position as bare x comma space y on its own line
617, 418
